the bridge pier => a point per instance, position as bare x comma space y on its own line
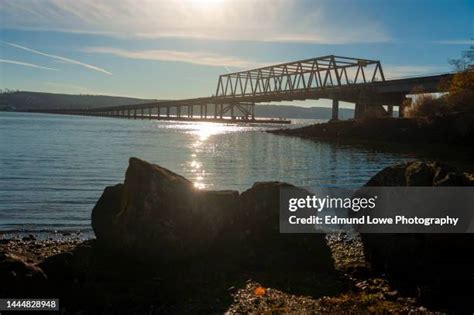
359, 110
190, 111
390, 110
335, 110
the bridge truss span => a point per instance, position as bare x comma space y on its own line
303, 75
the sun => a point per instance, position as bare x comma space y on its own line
205, 3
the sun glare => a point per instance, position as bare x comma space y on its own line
206, 2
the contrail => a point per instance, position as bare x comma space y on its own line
14, 62
227, 69
68, 60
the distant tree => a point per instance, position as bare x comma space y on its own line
460, 92
465, 62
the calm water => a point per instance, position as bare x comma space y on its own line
53, 168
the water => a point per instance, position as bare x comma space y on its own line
53, 168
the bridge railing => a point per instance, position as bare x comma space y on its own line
321, 72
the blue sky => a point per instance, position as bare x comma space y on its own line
177, 48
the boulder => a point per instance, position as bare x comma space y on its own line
77, 264
438, 264
159, 214
103, 220
258, 223
418, 173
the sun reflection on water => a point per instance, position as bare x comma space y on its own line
202, 131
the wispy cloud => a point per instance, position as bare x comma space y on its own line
198, 58
26, 64
64, 59
454, 42
230, 20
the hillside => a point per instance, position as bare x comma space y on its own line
21, 101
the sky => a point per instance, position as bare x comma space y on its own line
172, 49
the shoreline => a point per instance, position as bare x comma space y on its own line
398, 139
47, 234
361, 287
402, 130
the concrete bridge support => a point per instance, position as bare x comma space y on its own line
335, 110
359, 110
190, 111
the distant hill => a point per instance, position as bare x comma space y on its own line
20, 101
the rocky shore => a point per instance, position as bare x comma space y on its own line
163, 246
450, 129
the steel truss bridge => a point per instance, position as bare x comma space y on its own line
355, 80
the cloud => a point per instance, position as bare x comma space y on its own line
198, 58
26, 64
454, 42
64, 59
230, 20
